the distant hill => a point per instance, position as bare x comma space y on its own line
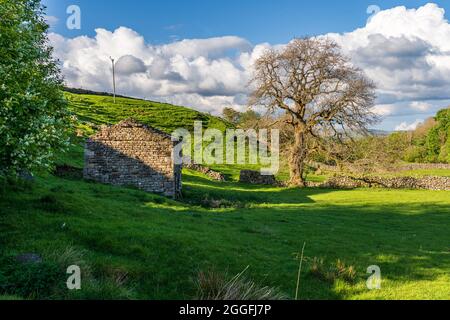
95, 108
94, 93
380, 133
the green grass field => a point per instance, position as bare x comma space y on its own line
141, 246
134, 245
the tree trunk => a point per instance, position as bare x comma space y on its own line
297, 159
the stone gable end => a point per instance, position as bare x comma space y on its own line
133, 154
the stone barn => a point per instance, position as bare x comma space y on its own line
133, 154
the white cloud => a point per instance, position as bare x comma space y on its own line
384, 109
51, 20
405, 51
129, 64
192, 48
207, 74
408, 127
421, 106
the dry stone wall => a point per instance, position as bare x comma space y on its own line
425, 166
132, 154
349, 182
255, 177
426, 183
392, 168
214, 175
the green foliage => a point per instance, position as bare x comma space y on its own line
443, 118
29, 280
432, 146
415, 154
33, 117
231, 115
430, 142
444, 155
245, 119
249, 116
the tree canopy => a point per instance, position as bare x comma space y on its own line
33, 116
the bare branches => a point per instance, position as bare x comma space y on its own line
314, 82
317, 87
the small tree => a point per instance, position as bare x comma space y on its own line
318, 89
249, 119
33, 115
231, 115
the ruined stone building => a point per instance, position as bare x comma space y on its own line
133, 154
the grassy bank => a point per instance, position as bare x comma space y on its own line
94, 110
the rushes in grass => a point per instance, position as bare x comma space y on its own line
212, 285
106, 283
68, 256
332, 272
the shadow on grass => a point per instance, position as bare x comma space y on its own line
196, 188
407, 247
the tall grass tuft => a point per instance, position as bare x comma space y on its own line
332, 272
212, 285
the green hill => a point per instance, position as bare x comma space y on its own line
94, 109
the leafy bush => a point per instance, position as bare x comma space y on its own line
415, 154
438, 138
444, 155
33, 118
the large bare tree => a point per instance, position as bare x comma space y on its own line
318, 90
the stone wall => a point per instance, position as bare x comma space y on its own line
255, 177
132, 154
427, 183
206, 171
348, 182
424, 166
353, 168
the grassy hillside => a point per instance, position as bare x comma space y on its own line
92, 110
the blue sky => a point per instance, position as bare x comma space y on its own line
273, 21
156, 45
